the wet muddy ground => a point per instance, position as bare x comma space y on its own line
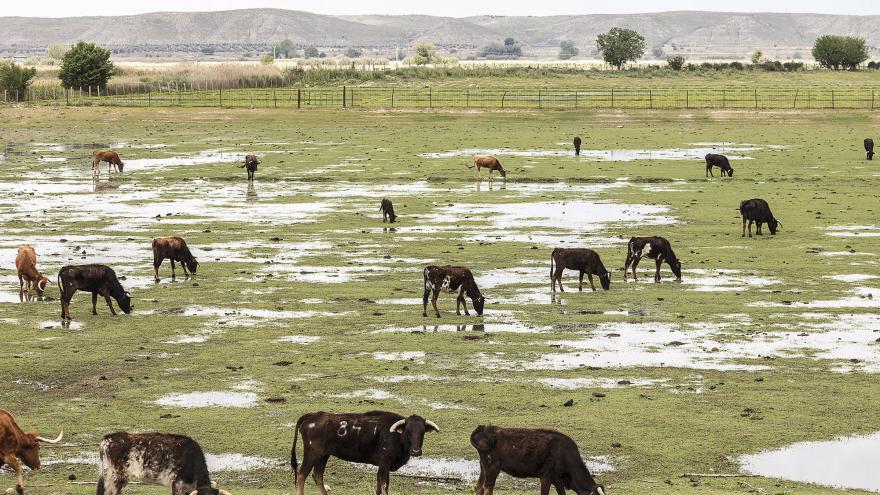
304, 300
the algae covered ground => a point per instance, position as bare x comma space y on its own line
304, 300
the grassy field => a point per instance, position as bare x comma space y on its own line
305, 301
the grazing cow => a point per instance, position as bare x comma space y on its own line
488, 162
577, 146
720, 161
97, 279
531, 453
250, 163
387, 208
17, 445
583, 260
451, 279
380, 438
109, 156
656, 248
758, 211
869, 148
174, 249
28, 275
174, 461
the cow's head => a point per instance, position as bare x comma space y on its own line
605, 279
29, 449
42, 284
730, 171
479, 302
483, 438
503, 172
121, 165
192, 265
413, 430
774, 224
597, 490
124, 302
675, 265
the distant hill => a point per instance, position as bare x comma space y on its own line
693, 34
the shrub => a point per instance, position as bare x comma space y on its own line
86, 64
497, 51
56, 51
15, 80
353, 53
310, 52
267, 59
676, 62
567, 50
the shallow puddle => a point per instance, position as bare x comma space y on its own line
841, 463
616, 155
209, 399
472, 327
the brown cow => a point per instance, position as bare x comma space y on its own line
525, 453
174, 249
583, 260
109, 156
250, 163
15, 444
28, 275
451, 279
489, 162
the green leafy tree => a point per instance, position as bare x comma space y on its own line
620, 45
353, 53
311, 52
757, 57
56, 51
86, 64
509, 42
676, 63
425, 54
15, 80
508, 50
567, 50
285, 49
840, 52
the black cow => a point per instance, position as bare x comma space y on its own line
526, 453
758, 211
451, 279
720, 161
577, 146
869, 148
250, 163
174, 461
583, 260
387, 209
97, 279
380, 438
656, 248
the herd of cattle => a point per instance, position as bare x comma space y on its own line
380, 438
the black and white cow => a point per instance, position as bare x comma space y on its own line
656, 248
174, 461
451, 279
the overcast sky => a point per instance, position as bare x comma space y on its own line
456, 8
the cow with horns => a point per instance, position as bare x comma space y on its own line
380, 438
18, 447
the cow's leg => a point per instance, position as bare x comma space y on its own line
173, 275
659, 262
750, 227
635, 263
382, 480
758, 229
463, 302
590, 276
21, 284
157, 262
581, 281
109, 301
95, 303
179, 487
478, 488
425, 303
12, 461
559, 270
65, 302
318, 474
489, 482
308, 463
434, 297
744, 226
545, 486
185, 271
560, 489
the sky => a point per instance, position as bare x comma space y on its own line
453, 8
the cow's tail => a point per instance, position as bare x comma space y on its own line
742, 206
100, 489
293, 463
552, 257
60, 286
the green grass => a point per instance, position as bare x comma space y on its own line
106, 375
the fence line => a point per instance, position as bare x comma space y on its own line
864, 98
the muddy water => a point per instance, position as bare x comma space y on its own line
842, 463
209, 399
618, 155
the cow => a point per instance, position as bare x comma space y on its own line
488, 162
28, 275
97, 279
656, 248
109, 156
451, 279
173, 249
173, 461
577, 146
387, 208
250, 163
532, 453
720, 161
869, 148
757, 211
18, 447
584, 260
380, 438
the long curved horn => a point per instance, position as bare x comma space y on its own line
46, 440
43, 288
397, 425
432, 425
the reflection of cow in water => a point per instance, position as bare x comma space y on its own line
387, 208
250, 163
720, 161
657, 248
109, 156
577, 146
869, 148
489, 162
451, 279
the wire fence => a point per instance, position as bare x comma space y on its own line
864, 98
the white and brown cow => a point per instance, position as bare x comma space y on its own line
451, 279
656, 248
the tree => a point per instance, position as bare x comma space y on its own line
757, 57
676, 63
425, 54
285, 49
506, 51
56, 51
267, 59
353, 53
15, 79
840, 52
86, 64
620, 45
567, 50
310, 52
509, 42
